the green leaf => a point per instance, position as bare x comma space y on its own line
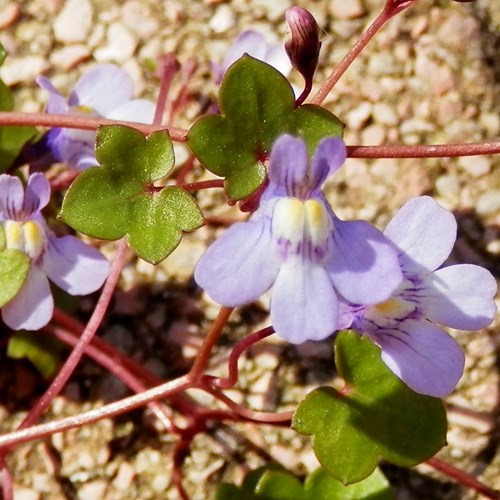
321, 486
44, 352
119, 198
279, 485
14, 268
257, 105
376, 416
3, 54
12, 139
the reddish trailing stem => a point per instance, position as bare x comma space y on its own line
16, 118
463, 478
168, 69
197, 186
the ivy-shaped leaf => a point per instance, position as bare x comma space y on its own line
375, 416
14, 268
119, 198
257, 105
275, 484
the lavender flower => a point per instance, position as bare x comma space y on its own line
103, 92
69, 263
461, 296
297, 243
254, 44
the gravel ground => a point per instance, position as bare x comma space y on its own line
431, 76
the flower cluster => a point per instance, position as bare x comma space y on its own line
68, 262
103, 92
328, 274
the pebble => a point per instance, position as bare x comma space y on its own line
74, 21
476, 166
448, 187
22, 69
489, 203
21, 493
359, 116
70, 56
342, 9
373, 135
385, 114
9, 14
93, 489
382, 63
121, 45
137, 17
223, 19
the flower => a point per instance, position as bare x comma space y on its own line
461, 296
69, 263
254, 44
295, 242
103, 92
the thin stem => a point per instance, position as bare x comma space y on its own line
117, 369
348, 59
236, 352
125, 405
203, 356
169, 68
463, 478
197, 186
283, 418
425, 151
7, 486
16, 118
307, 90
75, 356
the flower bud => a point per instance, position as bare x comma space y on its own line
304, 45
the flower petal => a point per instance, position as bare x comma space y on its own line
57, 104
74, 266
239, 266
277, 57
425, 232
329, 157
460, 296
137, 110
11, 197
423, 356
250, 42
288, 166
103, 89
32, 307
75, 148
363, 265
304, 305
37, 194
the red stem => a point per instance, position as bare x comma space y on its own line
236, 352
463, 478
117, 369
7, 485
197, 186
16, 118
77, 353
169, 68
425, 151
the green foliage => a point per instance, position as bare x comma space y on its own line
14, 268
257, 105
44, 352
119, 198
12, 139
275, 484
375, 416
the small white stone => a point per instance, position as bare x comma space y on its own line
137, 17
448, 187
357, 117
346, 9
121, 44
21, 493
9, 14
22, 69
476, 166
385, 114
70, 56
373, 135
223, 19
489, 203
74, 21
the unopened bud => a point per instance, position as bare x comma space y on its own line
304, 45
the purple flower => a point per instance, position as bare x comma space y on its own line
69, 263
254, 44
295, 242
424, 356
103, 92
